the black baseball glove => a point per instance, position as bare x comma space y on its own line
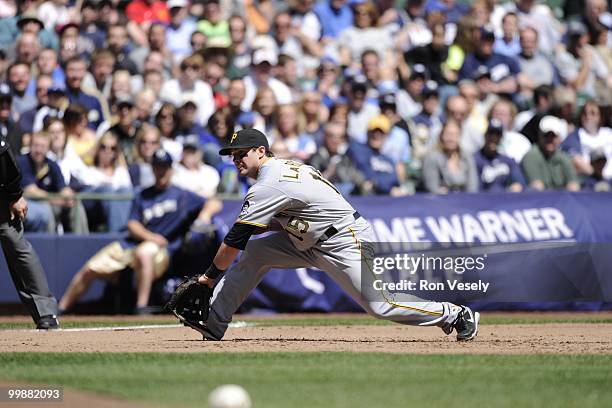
190, 302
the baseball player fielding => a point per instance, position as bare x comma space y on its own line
315, 227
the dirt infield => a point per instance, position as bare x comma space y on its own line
545, 338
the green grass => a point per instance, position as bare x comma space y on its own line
327, 379
352, 320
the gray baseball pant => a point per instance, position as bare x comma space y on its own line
25, 268
340, 256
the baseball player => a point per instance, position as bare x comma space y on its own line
317, 228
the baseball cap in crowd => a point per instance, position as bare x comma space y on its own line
161, 158
551, 124
481, 72
387, 100
605, 19
61, 29
495, 127
57, 89
218, 43
359, 83
350, 72
191, 142
5, 92
388, 86
188, 100
124, 101
263, 55
379, 122
430, 89
576, 28
177, 4
597, 155
330, 59
419, 71
486, 33
245, 138
29, 17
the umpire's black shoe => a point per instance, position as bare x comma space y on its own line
466, 324
48, 322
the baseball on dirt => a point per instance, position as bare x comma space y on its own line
229, 396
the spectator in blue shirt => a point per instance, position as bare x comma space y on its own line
496, 171
75, 72
378, 169
452, 9
334, 16
161, 216
508, 44
502, 69
42, 176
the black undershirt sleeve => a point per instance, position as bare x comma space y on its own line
239, 235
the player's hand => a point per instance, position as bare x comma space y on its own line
19, 209
205, 280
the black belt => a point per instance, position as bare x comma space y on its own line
331, 231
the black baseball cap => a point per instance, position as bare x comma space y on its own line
245, 138
495, 128
162, 158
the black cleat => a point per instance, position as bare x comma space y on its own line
466, 324
48, 322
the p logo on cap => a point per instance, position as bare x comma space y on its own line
234, 136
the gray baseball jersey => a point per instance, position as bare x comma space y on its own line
306, 205
298, 198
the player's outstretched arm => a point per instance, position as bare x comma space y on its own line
224, 258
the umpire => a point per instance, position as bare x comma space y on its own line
23, 263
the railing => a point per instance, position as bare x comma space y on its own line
78, 217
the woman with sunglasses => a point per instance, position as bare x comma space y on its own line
148, 140
109, 175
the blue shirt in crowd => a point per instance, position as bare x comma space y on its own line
333, 22
500, 66
498, 173
376, 167
95, 114
169, 213
49, 178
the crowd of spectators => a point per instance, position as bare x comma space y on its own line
383, 97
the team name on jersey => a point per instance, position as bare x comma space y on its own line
158, 210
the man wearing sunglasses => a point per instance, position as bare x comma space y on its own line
317, 228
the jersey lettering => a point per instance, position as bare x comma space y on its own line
158, 210
293, 170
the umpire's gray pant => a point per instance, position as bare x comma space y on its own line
341, 256
25, 268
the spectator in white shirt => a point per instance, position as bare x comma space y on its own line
188, 86
109, 174
193, 175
